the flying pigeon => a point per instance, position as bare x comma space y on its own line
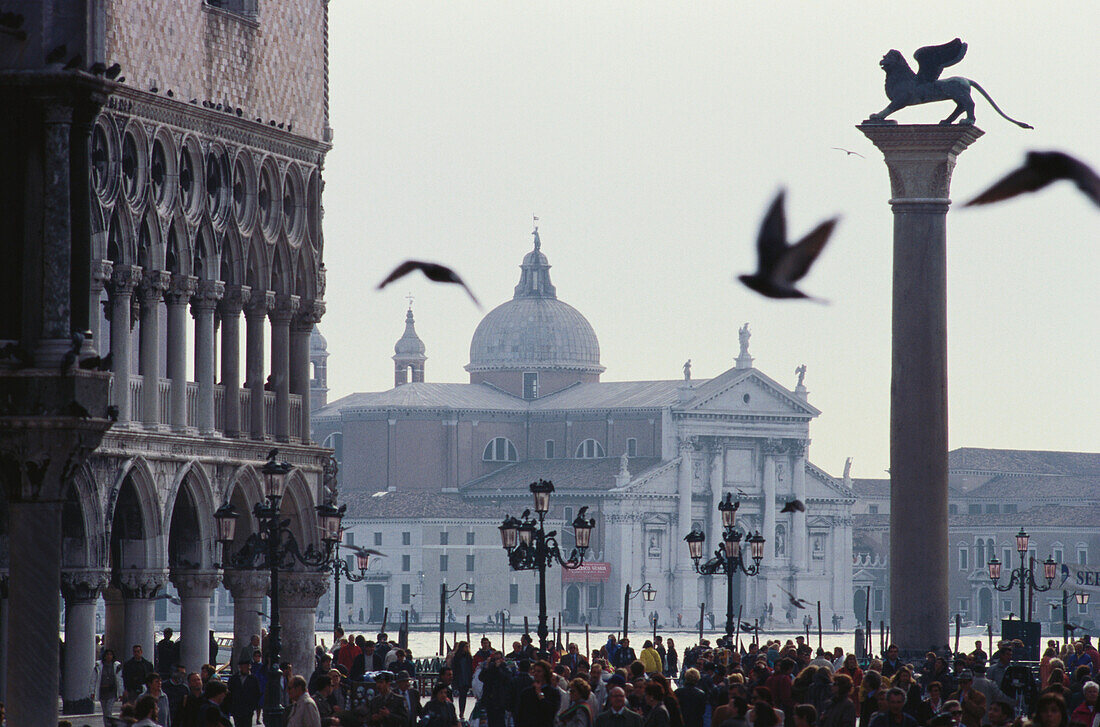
1040, 169
747, 627
795, 505
849, 152
781, 265
796, 602
432, 271
368, 551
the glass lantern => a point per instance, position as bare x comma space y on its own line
648, 592
508, 532
226, 520
583, 531
756, 546
541, 490
995, 570
1021, 541
695, 541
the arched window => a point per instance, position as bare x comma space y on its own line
589, 449
500, 450
980, 559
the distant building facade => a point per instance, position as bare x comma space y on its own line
429, 470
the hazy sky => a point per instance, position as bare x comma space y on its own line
650, 137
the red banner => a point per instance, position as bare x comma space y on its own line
587, 573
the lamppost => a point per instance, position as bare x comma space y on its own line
1024, 575
273, 547
465, 591
340, 566
1082, 598
728, 559
530, 547
648, 594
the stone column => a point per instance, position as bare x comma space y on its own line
153, 285
100, 277
309, 315
768, 505
138, 589
229, 309
248, 589
799, 535
285, 308
34, 537
203, 303
684, 574
114, 620
53, 334
124, 279
260, 302
81, 590
298, 597
920, 160
195, 589
176, 298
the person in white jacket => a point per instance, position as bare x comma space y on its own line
106, 683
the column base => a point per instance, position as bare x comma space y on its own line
78, 706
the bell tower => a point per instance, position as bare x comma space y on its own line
408, 354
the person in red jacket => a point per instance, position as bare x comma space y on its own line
779, 684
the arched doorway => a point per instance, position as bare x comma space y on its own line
985, 606
859, 603
572, 604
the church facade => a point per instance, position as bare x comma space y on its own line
429, 471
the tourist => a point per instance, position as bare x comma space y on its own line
108, 683
214, 694
166, 653
671, 659
538, 704
439, 712
871, 685
805, 715
932, 705
657, 714
733, 713
617, 713
841, 711
191, 710
134, 672
1086, 712
579, 712
999, 714
402, 682
495, 678
145, 710
245, 695
322, 691
692, 699
851, 668
462, 666
895, 715
651, 660
1050, 711
153, 689
763, 715
386, 708
176, 689
303, 710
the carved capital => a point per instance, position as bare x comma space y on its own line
302, 590
284, 309
181, 289
920, 158
259, 303
206, 297
101, 273
774, 446
235, 299
309, 314
153, 285
246, 583
38, 461
124, 278
83, 586
141, 583
195, 583
797, 447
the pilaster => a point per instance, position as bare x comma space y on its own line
81, 589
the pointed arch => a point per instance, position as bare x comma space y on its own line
178, 247
305, 279
84, 544
298, 507
231, 269
282, 268
150, 242
257, 266
206, 252
134, 506
190, 488
121, 241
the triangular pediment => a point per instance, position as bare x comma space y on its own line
747, 392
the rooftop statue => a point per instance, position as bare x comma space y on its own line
906, 88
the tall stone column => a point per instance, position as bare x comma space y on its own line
124, 279
138, 589
285, 308
81, 590
114, 620
684, 574
53, 334
299, 594
100, 278
768, 505
229, 310
176, 298
203, 303
799, 535
301, 328
920, 160
153, 285
248, 589
195, 589
260, 302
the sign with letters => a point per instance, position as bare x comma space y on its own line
594, 572
1080, 578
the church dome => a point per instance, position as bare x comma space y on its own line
409, 344
535, 331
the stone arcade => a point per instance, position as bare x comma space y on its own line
150, 214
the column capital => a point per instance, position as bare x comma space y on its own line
101, 273
774, 446
83, 585
180, 289
920, 158
141, 583
302, 590
124, 278
195, 583
284, 309
259, 303
797, 447
246, 583
235, 299
309, 314
153, 284
206, 297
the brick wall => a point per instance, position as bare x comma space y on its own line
271, 65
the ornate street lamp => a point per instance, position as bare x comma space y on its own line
530, 547
729, 558
273, 547
465, 591
1024, 575
340, 568
648, 593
